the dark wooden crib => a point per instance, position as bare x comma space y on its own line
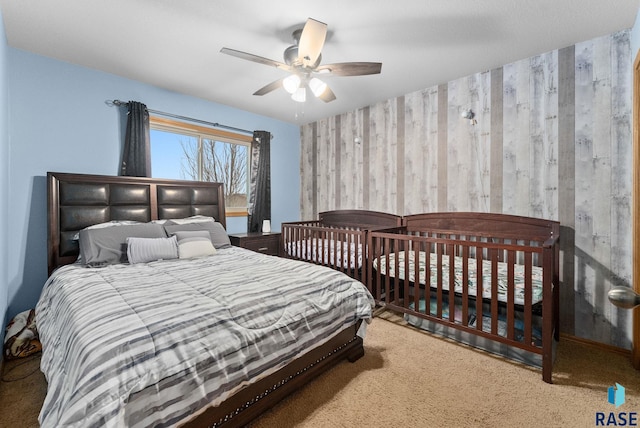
336, 239
409, 271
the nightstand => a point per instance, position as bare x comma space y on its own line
266, 243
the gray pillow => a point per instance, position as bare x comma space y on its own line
219, 236
143, 250
112, 223
100, 247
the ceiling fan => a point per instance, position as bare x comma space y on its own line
302, 60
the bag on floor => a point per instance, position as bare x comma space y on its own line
21, 336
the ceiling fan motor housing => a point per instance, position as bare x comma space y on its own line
291, 53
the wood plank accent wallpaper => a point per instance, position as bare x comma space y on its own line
552, 140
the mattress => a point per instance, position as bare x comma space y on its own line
519, 274
149, 344
327, 251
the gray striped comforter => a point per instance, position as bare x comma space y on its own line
150, 344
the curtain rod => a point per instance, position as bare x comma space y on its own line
190, 119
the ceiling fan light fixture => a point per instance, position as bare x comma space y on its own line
291, 84
317, 86
300, 95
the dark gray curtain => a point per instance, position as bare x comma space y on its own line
136, 155
260, 176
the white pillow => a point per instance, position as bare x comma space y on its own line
196, 243
143, 250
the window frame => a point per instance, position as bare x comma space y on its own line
204, 132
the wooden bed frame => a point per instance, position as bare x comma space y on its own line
76, 201
347, 229
488, 238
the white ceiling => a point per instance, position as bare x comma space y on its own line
421, 43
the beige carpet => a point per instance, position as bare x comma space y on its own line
410, 378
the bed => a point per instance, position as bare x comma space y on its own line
212, 339
489, 280
337, 239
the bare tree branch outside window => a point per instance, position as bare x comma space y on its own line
221, 162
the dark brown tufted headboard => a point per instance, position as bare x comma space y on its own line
76, 201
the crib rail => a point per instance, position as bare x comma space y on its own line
341, 248
430, 275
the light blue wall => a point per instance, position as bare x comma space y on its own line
59, 121
4, 175
635, 38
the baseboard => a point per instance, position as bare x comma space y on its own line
597, 345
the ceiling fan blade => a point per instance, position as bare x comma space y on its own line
269, 88
328, 95
351, 68
311, 41
255, 58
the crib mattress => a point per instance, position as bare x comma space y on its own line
327, 252
519, 273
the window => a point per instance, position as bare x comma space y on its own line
184, 151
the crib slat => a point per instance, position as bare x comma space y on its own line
511, 261
312, 251
345, 254
290, 241
349, 254
528, 318
387, 284
479, 287
293, 243
340, 253
465, 285
550, 291
296, 241
416, 276
305, 236
429, 247
361, 248
405, 251
439, 249
452, 281
302, 240
398, 283
494, 290
322, 238
335, 255
355, 253
360, 255
331, 249
378, 282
